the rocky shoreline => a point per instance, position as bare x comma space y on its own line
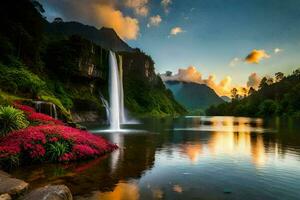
12, 188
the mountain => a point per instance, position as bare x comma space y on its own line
226, 98
105, 37
192, 95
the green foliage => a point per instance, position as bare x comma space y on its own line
279, 96
56, 150
20, 80
11, 119
268, 108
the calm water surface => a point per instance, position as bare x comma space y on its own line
187, 158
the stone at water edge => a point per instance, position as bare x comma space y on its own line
50, 192
11, 186
5, 197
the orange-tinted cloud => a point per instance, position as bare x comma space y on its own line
256, 56
97, 13
191, 74
176, 30
222, 88
140, 7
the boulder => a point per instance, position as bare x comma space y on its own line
11, 186
5, 197
50, 192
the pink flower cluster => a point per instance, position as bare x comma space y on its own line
34, 116
42, 118
32, 141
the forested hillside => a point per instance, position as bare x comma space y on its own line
278, 96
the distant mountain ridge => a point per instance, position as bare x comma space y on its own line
105, 37
193, 95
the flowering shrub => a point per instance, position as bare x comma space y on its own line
36, 117
24, 108
42, 118
33, 143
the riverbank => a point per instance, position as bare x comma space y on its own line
12, 188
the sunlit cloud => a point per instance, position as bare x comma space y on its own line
253, 80
222, 88
235, 61
97, 13
277, 50
140, 7
154, 21
256, 56
165, 4
191, 74
176, 30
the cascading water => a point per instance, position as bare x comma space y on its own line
116, 115
46, 107
106, 105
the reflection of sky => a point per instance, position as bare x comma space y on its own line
207, 163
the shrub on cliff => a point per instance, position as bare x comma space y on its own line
11, 119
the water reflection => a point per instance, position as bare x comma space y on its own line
122, 191
187, 158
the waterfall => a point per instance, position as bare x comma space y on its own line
46, 107
106, 105
114, 92
122, 110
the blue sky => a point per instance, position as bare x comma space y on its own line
214, 33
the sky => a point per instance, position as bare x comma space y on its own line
227, 43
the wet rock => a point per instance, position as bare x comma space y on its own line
11, 186
50, 192
5, 197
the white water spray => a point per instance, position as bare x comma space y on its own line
116, 114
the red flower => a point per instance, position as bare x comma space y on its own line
42, 118
33, 140
26, 109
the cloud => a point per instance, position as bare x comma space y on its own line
176, 30
256, 56
166, 4
234, 61
140, 7
253, 80
191, 74
97, 13
154, 21
277, 50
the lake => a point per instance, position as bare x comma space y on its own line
186, 158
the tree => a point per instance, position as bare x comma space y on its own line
244, 90
58, 20
270, 81
251, 91
279, 76
234, 93
168, 73
263, 83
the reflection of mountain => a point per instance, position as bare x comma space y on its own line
193, 95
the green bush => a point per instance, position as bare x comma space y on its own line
20, 80
56, 150
11, 119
